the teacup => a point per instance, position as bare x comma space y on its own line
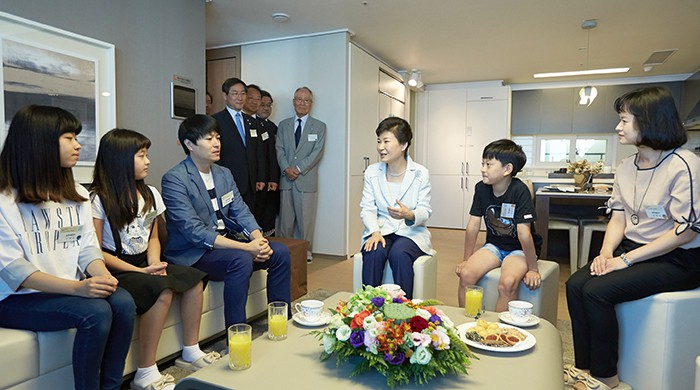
391, 288
520, 311
310, 309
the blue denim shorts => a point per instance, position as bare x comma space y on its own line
501, 254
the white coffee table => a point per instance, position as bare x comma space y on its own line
294, 364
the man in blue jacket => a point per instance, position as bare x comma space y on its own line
211, 228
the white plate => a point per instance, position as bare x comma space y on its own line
505, 317
524, 345
324, 319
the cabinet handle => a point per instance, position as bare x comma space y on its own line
466, 164
486, 97
466, 183
366, 158
462, 168
461, 182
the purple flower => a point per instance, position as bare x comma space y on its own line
395, 360
435, 319
397, 300
378, 301
357, 339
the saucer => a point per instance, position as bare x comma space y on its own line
505, 317
324, 319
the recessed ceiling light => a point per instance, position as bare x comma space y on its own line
280, 17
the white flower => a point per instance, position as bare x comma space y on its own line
328, 342
421, 356
336, 321
440, 339
369, 322
343, 333
423, 313
416, 301
446, 320
420, 339
376, 329
370, 341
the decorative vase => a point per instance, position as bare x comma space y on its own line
582, 180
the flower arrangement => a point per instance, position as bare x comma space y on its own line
584, 167
402, 339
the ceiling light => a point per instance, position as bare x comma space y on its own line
581, 72
280, 17
587, 95
415, 79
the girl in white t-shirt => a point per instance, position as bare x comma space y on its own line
125, 214
48, 246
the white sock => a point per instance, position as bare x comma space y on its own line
146, 375
192, 353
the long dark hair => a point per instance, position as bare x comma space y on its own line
114, 181
30, 161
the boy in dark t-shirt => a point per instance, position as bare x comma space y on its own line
506, 205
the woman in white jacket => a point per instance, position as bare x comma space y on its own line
395, 208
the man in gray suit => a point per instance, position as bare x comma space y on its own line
300, 141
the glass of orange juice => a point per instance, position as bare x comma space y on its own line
277, 320
474, 301
239, 341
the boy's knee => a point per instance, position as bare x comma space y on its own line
508, 285
467, 278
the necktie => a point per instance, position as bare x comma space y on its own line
241, 129
297, 133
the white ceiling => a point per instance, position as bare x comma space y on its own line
477, 40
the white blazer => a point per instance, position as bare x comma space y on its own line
414, 193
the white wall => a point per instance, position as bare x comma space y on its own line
154, 40
320, 63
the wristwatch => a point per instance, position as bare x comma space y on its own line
624, 258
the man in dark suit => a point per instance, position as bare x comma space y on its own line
204, 210
267, 209
240, 147
300, 141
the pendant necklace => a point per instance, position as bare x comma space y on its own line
394, 174
634, 218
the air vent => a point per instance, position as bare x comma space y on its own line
659, 57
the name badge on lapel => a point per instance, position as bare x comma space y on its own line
253, 133
264, 136
226, 199
312, 137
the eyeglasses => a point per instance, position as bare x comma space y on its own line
302, 101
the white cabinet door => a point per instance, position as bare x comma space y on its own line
447, 115
487, 121
355, 226
447, 201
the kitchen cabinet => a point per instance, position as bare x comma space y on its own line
458, 130
557, 111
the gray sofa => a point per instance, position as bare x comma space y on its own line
42, 360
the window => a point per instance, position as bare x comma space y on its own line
556, 151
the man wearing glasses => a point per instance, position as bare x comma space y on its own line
300, 141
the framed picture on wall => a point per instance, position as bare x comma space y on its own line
44, 65
183, 101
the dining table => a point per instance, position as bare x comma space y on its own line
546, 196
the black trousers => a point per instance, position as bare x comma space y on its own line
592, 299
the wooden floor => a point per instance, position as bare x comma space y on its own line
333, 273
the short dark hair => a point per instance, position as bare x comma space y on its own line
196, 127
114, 181
655, 116
255, 87
30, 161
506, 152
226, 86
264, 93
400, 128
